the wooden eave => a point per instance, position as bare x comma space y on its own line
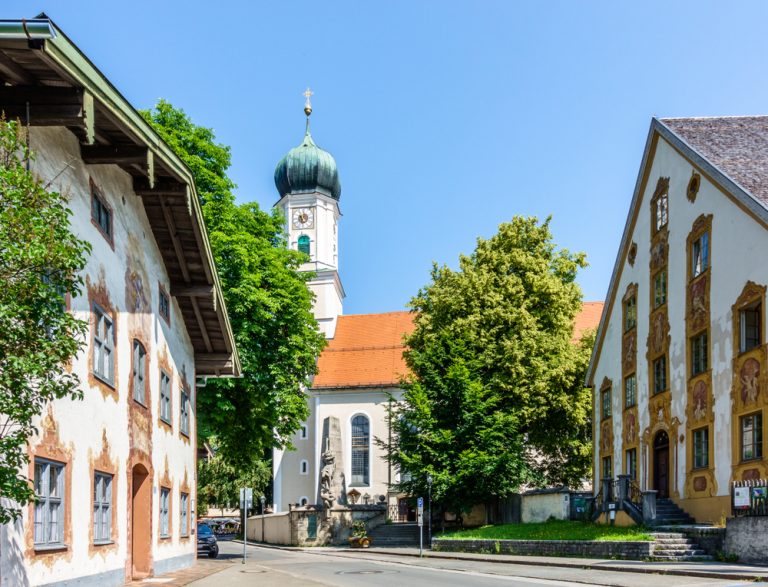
51, 83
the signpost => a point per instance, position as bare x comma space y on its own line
246, 501
420, 507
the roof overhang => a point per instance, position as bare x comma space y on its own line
730, 187
45, 80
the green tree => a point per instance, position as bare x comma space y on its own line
496, 398
269, 304
40, 262
219, 483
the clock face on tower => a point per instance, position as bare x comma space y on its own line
303, 218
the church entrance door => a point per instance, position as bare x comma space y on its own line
661, 464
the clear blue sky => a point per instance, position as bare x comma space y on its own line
446, 118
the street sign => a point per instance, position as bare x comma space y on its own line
420, 503
420, 508
246, 498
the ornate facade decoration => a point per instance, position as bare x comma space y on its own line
605, 448
748, 389
693, 186
658, 342
629, 416
700, 478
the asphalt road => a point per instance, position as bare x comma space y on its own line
267, 567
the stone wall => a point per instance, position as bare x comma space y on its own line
747, 537
576, 548
710, 540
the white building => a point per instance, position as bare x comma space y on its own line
678, 370
360, 370
115, 473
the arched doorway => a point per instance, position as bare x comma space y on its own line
141, 523
661, 463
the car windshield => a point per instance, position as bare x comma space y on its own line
204, 529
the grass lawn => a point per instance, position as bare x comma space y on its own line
552, 530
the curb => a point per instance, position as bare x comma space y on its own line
736, 576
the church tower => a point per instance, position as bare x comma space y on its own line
308, 183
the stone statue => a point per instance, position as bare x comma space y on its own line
326, 478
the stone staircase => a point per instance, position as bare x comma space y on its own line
387, 535
676, 546
668, 513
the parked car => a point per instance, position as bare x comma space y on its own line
206, 541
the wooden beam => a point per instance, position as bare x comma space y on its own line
201, 324
202, 290
49, 106
213, 357
162, 187
175, 240
114, 154
13, 71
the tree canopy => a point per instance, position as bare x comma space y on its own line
269, 304
496, 398
40, 263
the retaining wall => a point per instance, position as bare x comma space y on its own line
576, 548
747, 537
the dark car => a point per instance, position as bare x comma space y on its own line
206, 541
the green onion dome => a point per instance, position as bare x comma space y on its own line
307, 169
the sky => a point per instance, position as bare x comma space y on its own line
446, 118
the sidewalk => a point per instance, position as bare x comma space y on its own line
704, 569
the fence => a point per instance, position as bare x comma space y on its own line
748, 498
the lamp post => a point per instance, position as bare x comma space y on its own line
429, 509
262, 499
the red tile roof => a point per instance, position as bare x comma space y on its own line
367, 350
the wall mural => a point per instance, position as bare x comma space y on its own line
749, 380
700, 482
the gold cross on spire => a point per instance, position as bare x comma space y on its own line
308, 104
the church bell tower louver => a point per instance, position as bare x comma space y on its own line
308, 183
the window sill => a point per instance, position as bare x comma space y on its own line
168, 537
42, 548
699, 469
104, 380
751, 459
629, 407
140, 403
103, 542
184, 434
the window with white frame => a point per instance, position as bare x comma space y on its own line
304, 468
103, 346
165, 529
49, 503
139, 363
184, 413
165, 397
102, 508
749, 321
184, 521
700, 255
360, 456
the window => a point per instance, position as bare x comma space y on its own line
752, 437
102, 508
660, 374
698, 354
139, 361
101, 214
606, 403
630, 314
360, 440
701, 448
103, 346
164, 307
303, 501
632, 463
630, 391
184, 506
165, 397
660, 289
700, 255
304, 244
184, 413
164, 505
607, 467
749, 319
49, 506
303, 433
304, 468
662, 211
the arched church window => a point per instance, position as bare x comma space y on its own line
360, 457
304, 244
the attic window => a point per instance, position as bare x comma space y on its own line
164, 306
662, 211
101, 213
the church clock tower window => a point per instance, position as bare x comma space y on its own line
304, 244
